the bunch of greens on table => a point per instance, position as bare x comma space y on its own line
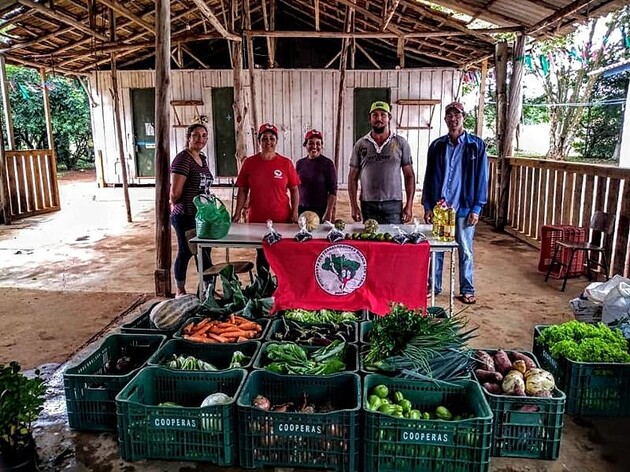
314, 334
291, 358
416, 345
255, 300
320, 316
584, 342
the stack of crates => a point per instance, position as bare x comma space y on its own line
550, 235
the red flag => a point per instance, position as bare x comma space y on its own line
349, 275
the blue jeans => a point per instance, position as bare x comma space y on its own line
464, 235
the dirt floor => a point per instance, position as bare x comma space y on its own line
65, 277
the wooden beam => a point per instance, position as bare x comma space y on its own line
63, 17
503, 167
470, 7
239, 104
330, 63
342, 85
389, 14
515, 102
162, 274
47, 114
123, 10
253, 99
191, 54
400, 50
366, 13
55, 34
558, 16
268, 39
482, 98
373, 35
214, 21
368, 56
316, 15
5, 198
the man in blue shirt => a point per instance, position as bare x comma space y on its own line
457, 171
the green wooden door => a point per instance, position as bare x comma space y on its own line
363, 98
143, 109
224, 131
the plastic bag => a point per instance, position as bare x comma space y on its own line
212, 221
272, 236
598, 291
617, 302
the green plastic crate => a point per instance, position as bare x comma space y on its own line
302, 440
277, 326
530, 434
351, 358
186, 432
90, 393
398, 444
264, 324
219, 355
592, 388
142, 325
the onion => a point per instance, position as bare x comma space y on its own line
261, 402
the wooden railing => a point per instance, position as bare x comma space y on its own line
543, 192
31, 179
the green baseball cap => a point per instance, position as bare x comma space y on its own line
380, 106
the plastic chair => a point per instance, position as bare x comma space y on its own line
212, 273
601, 225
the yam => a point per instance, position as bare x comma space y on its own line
487, 376
493, 388
529, 362
485, 361
502, 362
520, 366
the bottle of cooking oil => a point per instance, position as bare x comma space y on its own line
449, 225
438, 220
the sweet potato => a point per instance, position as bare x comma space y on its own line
485, 361
528, 408
502, 362
518, 356
492, 388
487, 376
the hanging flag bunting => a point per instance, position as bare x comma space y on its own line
544, 64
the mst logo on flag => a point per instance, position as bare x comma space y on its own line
340, 269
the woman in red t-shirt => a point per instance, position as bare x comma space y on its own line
265, 177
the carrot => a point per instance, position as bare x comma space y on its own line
250, 325
241, 339
217, 337
239, 319
233, 332
198, 339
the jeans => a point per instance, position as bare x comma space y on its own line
388, 212
464, 235
181, 224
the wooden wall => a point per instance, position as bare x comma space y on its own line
293, 99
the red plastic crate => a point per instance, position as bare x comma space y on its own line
550, 235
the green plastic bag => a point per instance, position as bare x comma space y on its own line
212, 221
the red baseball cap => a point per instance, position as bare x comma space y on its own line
312, 134
455, 105
267, 128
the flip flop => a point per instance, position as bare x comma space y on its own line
468, 299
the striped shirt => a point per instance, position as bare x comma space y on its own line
196, 178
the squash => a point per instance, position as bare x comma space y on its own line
539, 382
370, 225
340, 224
170, 314
311, 218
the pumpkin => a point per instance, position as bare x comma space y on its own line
370, 225
312, 220
171, 313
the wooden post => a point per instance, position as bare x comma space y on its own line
252, 79
502, 171
401, 52
119, 136
239, 106
515, 102
47, 116
162, 147
8, 118
342, 84
5, 201
482, 98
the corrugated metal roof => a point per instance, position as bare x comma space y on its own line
76, 37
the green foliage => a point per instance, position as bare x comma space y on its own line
583, 342
70, 116
21, 400
601, 125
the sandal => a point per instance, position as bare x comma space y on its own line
468, 299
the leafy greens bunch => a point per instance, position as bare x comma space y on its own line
420, 346
584, 342
290, 358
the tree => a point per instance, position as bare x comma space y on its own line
70, 116
566, 80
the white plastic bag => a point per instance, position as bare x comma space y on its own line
617, 302
598, 291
